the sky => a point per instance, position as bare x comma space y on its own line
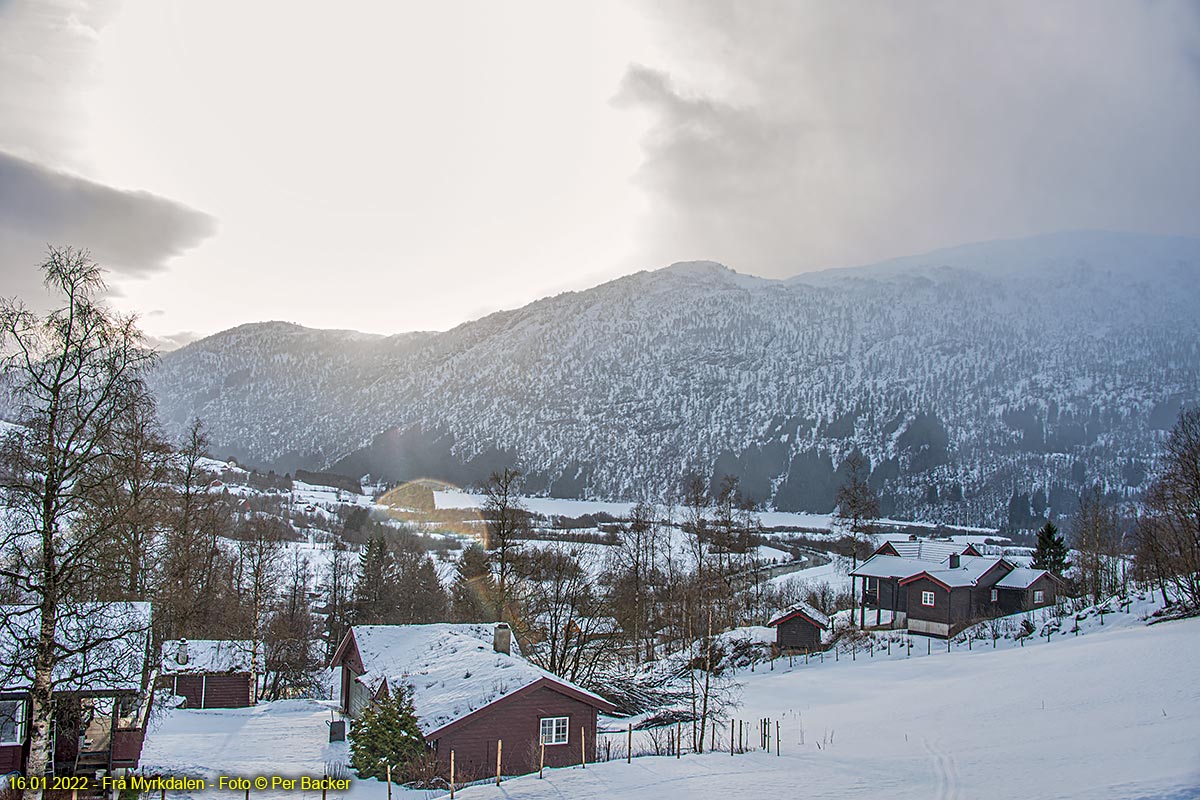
396, 166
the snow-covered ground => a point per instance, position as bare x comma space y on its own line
1115, 714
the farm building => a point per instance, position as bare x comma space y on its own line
99, 697
470, 692
892, 562
799, 629
965, 589
208, 673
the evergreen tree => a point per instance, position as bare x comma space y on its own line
375, 591
387, 733
421, 596
473, 589
1051, 551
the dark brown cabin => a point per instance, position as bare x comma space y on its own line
799, 629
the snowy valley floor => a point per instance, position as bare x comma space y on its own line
1112, 714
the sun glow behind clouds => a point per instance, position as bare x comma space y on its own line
448, 158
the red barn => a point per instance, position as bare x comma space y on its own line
470, 693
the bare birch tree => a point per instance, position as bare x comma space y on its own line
71, 374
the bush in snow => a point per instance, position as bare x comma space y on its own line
387, 733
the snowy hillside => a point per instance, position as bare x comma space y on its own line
1042, 364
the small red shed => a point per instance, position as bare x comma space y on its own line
208, 673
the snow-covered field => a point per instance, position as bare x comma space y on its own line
554, 506
1115, 714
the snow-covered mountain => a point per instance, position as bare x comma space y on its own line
985, 383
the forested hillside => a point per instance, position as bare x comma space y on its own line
986, 384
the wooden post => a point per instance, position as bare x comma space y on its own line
583, 747
389, 781
247, 793
542, 762
678, 740
325, 789
629, 745
776, 737
741, 739
731, 737
499, 750
451, 775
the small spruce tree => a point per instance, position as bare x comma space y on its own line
387, 732
1051, 551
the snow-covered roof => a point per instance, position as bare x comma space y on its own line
206, 655
885, 566
968, 572
1020, 578
800, 608
927, 550
103, 646
452, 669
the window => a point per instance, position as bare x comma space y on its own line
995, 595
927, 599
1039, 597
555, 730
12, 713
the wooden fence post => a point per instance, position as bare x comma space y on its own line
583, 746
451, 775
389, 781
776, 737
678, 740
731, 737
499, 750
629, 745
542, 763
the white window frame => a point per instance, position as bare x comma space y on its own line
20, 723
995, 595
555, 730
928, 599
1039, 596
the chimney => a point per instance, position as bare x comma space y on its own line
502, 639
181, 655
955, 561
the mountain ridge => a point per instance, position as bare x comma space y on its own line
972, 394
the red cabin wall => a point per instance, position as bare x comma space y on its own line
517, 721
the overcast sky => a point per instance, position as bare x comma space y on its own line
395, 166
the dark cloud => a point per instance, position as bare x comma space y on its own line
131, 233
788, 136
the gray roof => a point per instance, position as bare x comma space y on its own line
1021, 578
802, 608
926, 550
884, 566
968, 573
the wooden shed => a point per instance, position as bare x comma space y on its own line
470, 692
800, 629
208, 673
